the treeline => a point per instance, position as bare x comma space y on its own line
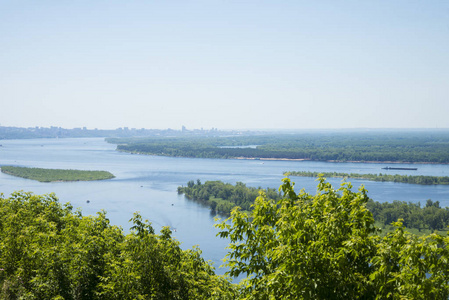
50, 175
376, 146
47, 251
413, 179
431, 216
188, 149
223, 197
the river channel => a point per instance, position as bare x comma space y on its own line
147, 184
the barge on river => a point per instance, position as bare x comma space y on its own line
392, 168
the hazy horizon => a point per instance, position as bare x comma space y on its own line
253, 65
266, 130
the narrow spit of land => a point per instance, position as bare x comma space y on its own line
53, 175
413, 179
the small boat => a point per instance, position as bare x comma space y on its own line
392, 168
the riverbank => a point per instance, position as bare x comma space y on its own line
386, 162
332, 161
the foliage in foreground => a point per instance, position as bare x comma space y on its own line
322, 246
49, 175
326, 247
49, 252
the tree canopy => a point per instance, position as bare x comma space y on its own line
47, 251
299, 246
325, 246
223, 197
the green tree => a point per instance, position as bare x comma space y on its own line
49, 252
326, 247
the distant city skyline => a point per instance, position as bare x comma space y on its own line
225, 64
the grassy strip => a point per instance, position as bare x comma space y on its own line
415, 179
51, 175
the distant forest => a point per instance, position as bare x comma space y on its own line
371, 146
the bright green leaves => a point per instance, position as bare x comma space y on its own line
325, 247
302, 246
48, 252
411, 266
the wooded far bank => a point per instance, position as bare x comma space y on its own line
388, 146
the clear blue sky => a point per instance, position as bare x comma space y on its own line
225, 64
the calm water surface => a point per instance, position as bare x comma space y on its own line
147, 184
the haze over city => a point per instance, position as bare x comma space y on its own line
225, 64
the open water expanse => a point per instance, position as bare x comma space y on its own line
148, 184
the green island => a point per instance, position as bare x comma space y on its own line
52, 175
413, 179
300, 246
359, 146
223, 197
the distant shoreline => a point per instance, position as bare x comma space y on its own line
295, 159
415, 179
271, 158
339, 161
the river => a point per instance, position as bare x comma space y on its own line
147, 184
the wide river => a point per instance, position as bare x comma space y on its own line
147, 184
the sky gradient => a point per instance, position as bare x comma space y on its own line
224, 64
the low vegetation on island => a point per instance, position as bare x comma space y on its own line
413, 179
301, 246
361, 146
51, 175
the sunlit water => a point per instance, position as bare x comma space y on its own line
147, 184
